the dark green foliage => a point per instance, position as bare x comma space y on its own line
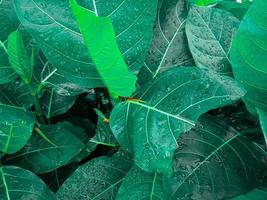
133, 99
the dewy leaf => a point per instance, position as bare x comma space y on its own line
99, 36
52, 24
210, 32
18, 183
213, 161
248, 55
263, 121
169, 105
16, 127
256, 194
40, 156
139, 184
169, 46
100, 178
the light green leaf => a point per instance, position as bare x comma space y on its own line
100, 178
100, 39
19, 183
169, 46
18, 57
16, 127
52, 24
168, 106
210, 32
139, 184
40, 156
263, 121
248, 55
213, 161
256, 194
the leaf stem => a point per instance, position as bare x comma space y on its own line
3, 46
38, 130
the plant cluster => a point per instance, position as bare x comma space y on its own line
133, 99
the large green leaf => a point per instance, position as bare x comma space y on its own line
210, 32
139, 184
214, 161
97, 179
16, 127
18, 57
53, 26
100, 39
256, 194
17, 183
169, 47
248, 55
41, 156
168, 106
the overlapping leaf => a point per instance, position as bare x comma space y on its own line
42, 156
16, 127
210, 32
18, 183
97, 179
248, 55
53, 26
168, 106
169, 46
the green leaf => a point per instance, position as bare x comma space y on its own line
169, 46
100, 178
263, 121
100, 39
139, 184
53, 26
40, 156
19, 183
168, 106
256, 194
18, 57
248, 55
213, 161
104, 135
237, 9
210, 32
16, 128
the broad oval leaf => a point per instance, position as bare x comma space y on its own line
99, 37
53, 26
98, 179
214, 161
210, 32
42, 156
19, 183
16, 127
139, 184
167, 107
248, 55
169, 47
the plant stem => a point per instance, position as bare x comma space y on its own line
3, 46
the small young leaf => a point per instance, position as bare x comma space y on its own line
99, 36
18, 57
